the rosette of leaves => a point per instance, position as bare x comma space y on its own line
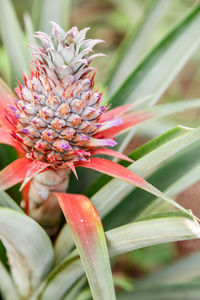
58, 124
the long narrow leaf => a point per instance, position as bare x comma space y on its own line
63, 244
189, 291
136, 44
154, 74
118, 171
7, 201
20, 169
6, 138
7, 287
129, 209
75, 290
138, 153
13, 39
29, 31
137, 118
90, 241
28, 248
159, 67
174, 273
60, 280
166, 227
178, 186
157, 229
142, 167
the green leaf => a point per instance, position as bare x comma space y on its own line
185, 181
13, 40
137, 201
72, 294
63, 244
138, 153
188, 291
84, 295
157, 70
89, 238
60, 280
7, 287
46, 10
157, 229
162, 228
135, 44
4, 64
28, 248
178, 185
143, 167
160, 66
174, 273
7, 201
164, 110
29, 31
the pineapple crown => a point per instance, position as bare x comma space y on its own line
58, 112
65, 55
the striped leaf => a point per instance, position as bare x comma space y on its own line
136, 43
7, 201
13, 40
90, 241
7, 287
28, 248
169, 56
143, 167
188, 291
171, 226
174, 273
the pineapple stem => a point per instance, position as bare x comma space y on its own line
43, 206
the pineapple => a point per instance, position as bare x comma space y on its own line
58, 123
58, 109
58, 114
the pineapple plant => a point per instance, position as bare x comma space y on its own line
58, 121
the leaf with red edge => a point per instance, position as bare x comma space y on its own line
111, 152
122, 109
118, 171
89, 237
17, 171
136, 117
7, 138
116, 112
129, 120
113, 169
35, 168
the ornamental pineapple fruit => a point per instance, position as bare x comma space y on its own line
58, 109
57, 116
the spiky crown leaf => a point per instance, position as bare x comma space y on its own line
58, 109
